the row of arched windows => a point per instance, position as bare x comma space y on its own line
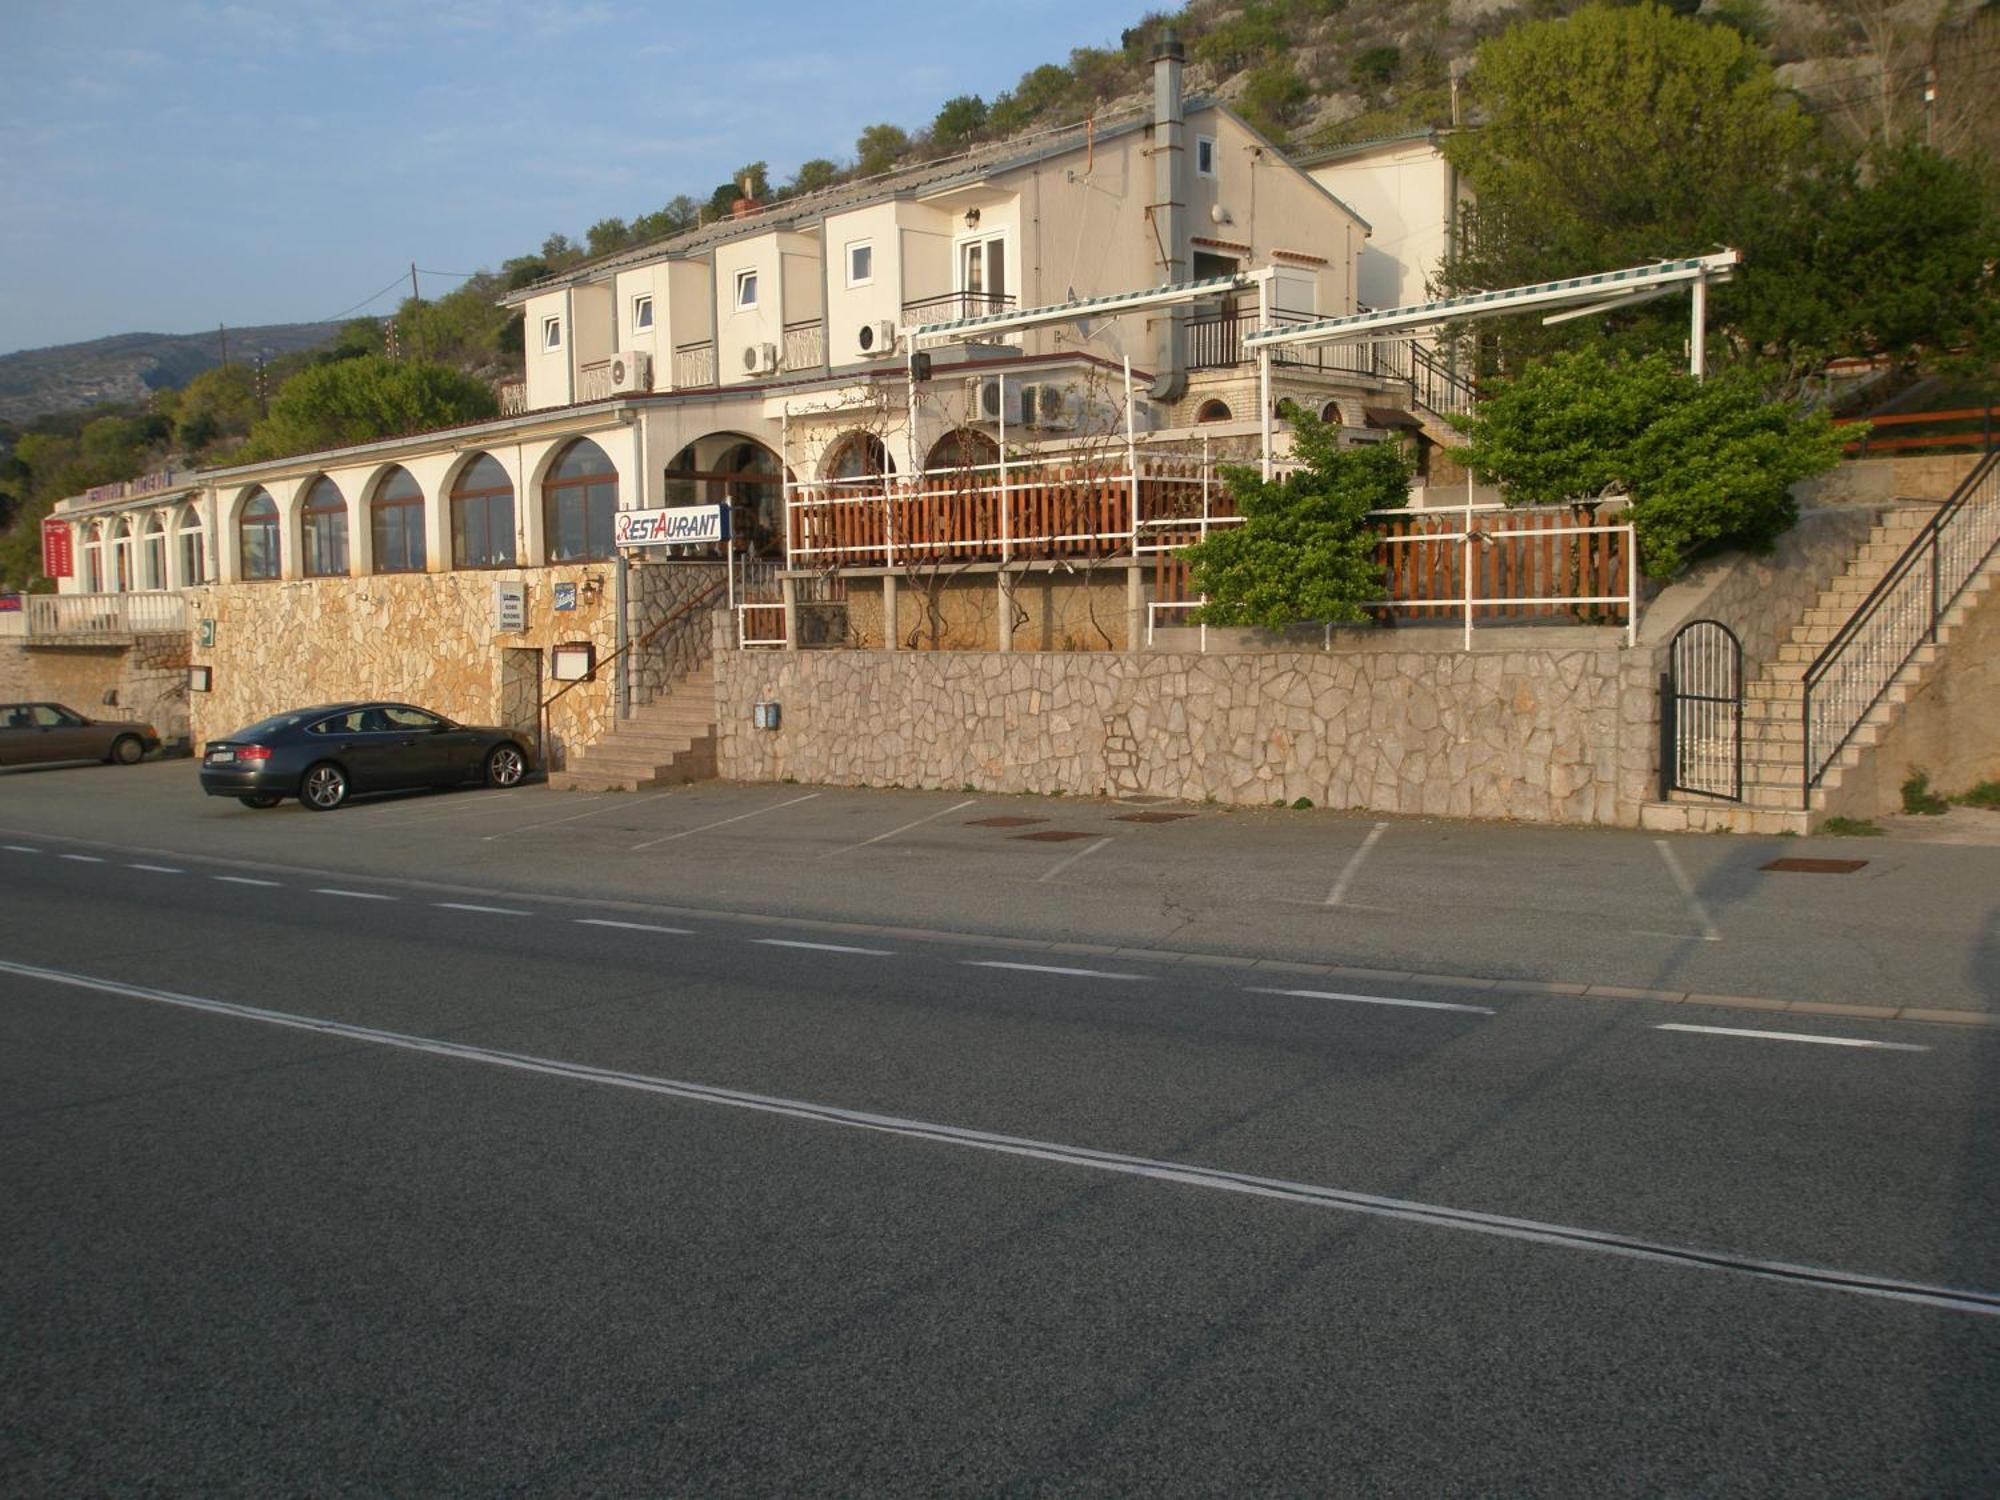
123, 556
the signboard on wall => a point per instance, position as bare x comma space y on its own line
510, 606
565, 598
58, 550
682, 526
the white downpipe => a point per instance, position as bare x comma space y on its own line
1465, 567
1698, 334
1631, 587
1006, 518
1131, 461
1264, 372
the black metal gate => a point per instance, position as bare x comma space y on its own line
1701, 713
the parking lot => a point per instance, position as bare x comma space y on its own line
1911, 926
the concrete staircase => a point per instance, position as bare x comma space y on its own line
663, 744
1774, 798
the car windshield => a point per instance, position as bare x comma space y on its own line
276, 724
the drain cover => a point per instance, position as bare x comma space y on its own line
1817, 866
1002, 822
1151, 817
1052, 836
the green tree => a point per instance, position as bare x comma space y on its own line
361, 400
1377, 67
1707, 465
1305, 549
1275, 99
217, 406
607, 235
1041, 91
814, 175
958, 121
878, 148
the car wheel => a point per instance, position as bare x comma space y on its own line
260, 800
127, 750
505, 765
324, 787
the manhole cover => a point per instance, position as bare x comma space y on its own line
1052, 836
1817, 866
1151, 817
1002, 822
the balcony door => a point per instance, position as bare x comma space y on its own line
982, 275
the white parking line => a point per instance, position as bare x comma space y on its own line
633, 926
724, 822
573, 818
995, 963
327, 890
881, 837
242, 880
1793, 1036
1062, 865
1347, 871
497, 911
19, 849
823, 947
1709, 934
158, 869
84, 859
1477, 1010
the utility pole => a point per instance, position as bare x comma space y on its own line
263, 407
1930, 107
223, 331
418, 298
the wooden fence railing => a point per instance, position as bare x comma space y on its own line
1970, 428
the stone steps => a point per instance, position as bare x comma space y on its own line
664, 744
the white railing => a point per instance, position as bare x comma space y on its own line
49, 615
593, 382
1471, 543
694, 365
513, 397
760, 624
805, 345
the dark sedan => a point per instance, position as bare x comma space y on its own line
32, 732
324, 755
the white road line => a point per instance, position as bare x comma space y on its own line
497, 911
823, 947
242, 880
1965, 1300
327, 890
880, 837
573, 817
1709, 934
19, 849
724, 822
995, 963
633, 926
158, 869
1477, 1010
85, 859
1339, 892
1793, 1036
1061, 865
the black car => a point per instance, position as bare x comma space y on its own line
323, 755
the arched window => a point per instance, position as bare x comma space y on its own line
396, 523
193, 550
325, 530
121, 556
745, 478
859, 455
153, 569
257, 537
1213, 411
1330, 413
482, 516
93, 559
961, 449
578, 499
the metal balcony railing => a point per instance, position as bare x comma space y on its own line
955, 305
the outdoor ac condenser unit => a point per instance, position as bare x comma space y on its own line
878, 337
760, 359
1046, 406
992, 391
632, 371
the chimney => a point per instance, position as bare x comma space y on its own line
1170, 210
746, 205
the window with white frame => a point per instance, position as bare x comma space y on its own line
746, 289
1204, 155
642, 314
552, 333
982, 274
861, 263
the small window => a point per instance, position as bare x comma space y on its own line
552, 333
642, 314
746, 289
1204, 155
861, 263
1213, 411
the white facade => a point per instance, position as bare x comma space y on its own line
1412, 197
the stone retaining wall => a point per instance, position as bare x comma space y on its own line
141, 677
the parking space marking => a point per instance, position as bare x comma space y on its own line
19, 849
85, 859
996, 963
327, 890
1793, 1036
495, 911
1709, 933
633, 926
573, 818
1476, 1010
822, 947
456, 804
1064, 864
725, 822
883, 837
1348, 871
242, 880
158, 869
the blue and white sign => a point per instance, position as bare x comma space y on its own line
687, 526
565, 598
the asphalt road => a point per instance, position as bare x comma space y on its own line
334, 1169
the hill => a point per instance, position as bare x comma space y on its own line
129, 367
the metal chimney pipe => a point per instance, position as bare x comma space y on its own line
1170, 210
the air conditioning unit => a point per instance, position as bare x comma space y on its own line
760, 359
632, 371
878, 337
991, 398
1046, 406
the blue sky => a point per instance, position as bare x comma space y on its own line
173, 164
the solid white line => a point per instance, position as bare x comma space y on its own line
573, 817
1709, 934
823, 947
632, 926
995, 963
691, 832
84, 859
941, 813
1347, 873
325, 890
1477, 1010
19, 849
1793, 1036
241, 880
1088, 849
498, 911
158, 869
1302, 1194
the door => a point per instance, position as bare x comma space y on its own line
1701, 713
64, 734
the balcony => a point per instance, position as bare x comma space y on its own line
953, 307
805, 344
593, 381
82, 619
513, 397
1215, 342
694, 364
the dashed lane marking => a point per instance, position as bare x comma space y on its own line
493, 911
19, 849
822, 947
244, 880
1476, 1010
633, 926
158, 869
1793, 1036
999, 963
327, 890
85, 859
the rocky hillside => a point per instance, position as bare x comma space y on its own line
129, 367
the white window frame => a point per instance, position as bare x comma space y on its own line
552, 332
746, 281
1009, 266
867, 247
1204, 145
642, 303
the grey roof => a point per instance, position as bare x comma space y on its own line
1327, 154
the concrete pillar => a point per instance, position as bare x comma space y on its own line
890, 632
1135, 607
790, 589
1006, 600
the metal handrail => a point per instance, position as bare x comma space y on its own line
680, 611
1978, 496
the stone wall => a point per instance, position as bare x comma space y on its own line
14, 671
1888, 481
1552, 734
1084, 610
653, 592
144, 677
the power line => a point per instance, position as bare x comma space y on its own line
377, 297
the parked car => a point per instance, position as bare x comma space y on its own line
326, 754
35, 732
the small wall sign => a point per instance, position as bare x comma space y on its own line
58, 549
206, 637
201, 679
565, 598
510, 606
684, 526
573, 661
